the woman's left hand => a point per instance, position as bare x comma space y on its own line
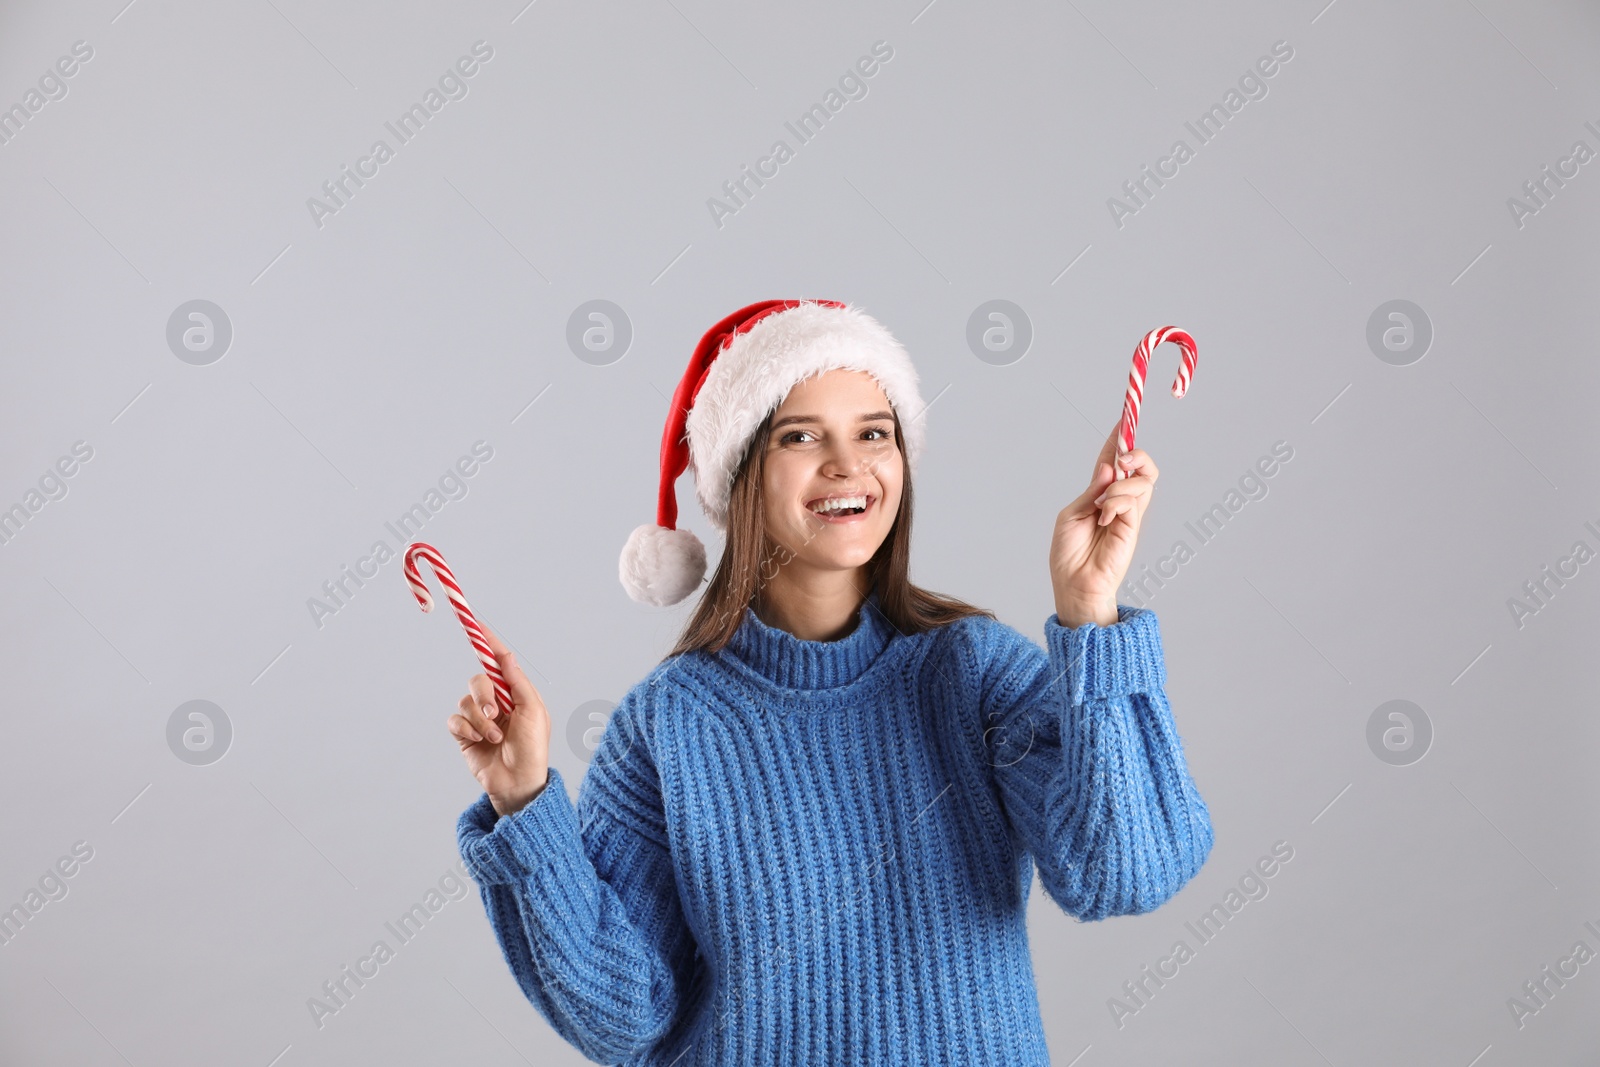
1095, 535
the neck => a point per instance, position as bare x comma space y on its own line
821, 606
794, 663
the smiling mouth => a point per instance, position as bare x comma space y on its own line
843, 508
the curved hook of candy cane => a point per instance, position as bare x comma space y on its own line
414, 574
480, 644
1185, 375
1135, 396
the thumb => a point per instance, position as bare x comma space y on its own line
521, 689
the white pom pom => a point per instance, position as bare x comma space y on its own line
661, 566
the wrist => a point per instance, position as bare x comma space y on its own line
510, 803
1074, 612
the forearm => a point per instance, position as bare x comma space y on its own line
607, 983
1135, 829
1127, 827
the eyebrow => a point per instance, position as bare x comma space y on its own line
874, 417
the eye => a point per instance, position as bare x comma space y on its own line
883, 433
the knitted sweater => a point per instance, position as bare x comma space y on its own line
820, 852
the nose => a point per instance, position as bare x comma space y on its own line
843, 458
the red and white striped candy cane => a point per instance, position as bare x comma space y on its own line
1135, 397
422, 550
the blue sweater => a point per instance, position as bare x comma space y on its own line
820, 852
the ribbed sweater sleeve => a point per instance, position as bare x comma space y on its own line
583, 900
1089, 764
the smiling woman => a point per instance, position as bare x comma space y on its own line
809, 834
797, 554
784, 403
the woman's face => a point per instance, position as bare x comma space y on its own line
832, 437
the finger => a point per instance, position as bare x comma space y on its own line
522, 690
1135, 486
490, 697
462, 730
1122, 472
482, 689
1108, 450
1122, 505
1138, 462
1132, 506
1103, 478
476, 705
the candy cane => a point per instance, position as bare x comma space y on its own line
423, 550
1135, 397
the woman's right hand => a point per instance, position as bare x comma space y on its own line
509, 755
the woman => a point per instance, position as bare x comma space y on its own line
808, 836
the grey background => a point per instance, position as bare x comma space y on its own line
429, 313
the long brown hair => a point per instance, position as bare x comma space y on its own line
750, 559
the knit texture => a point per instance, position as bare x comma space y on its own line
808, 852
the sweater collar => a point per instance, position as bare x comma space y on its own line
792, 663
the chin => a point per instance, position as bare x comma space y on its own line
850, 560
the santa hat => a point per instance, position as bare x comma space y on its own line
740, 372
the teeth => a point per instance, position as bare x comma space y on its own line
840, 503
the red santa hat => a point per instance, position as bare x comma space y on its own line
740, 372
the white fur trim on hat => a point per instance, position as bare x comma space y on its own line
755, 372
